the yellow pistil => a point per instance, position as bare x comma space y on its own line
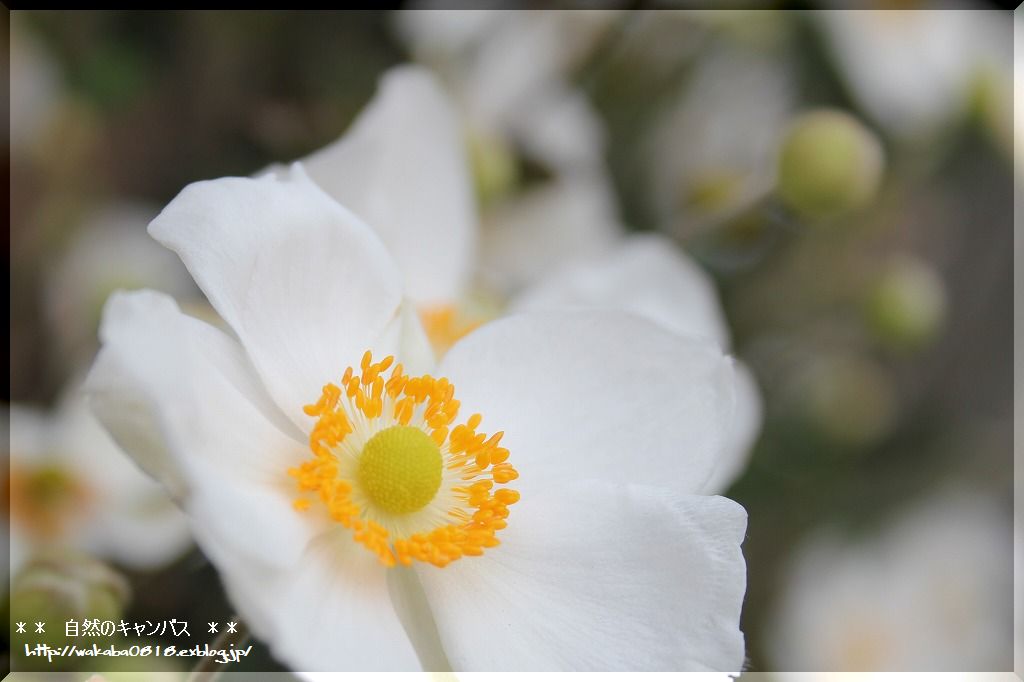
390, 464
400, 469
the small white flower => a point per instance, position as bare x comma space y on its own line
347, 509
713, 152
109, 250
510, 73
912, 70
70, 486
930, 592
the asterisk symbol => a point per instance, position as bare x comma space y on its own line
21, 627
213, 627
231, 626
39, 626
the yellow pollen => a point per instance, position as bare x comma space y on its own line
444, 325
391, 464
400, 469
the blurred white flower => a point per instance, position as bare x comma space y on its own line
70, 486
913, 70
109, 250
612, 558
929, 592
510, 74
713, 152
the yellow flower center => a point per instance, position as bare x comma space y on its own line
46, 499
400, 469
390, 463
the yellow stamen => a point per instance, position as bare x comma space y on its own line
445, 325
390, 464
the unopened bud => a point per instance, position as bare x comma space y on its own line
57, 587
851, 399
829, 164
907, 304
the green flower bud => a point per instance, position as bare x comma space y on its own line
829, 164
850, 399
906, 306
60, 586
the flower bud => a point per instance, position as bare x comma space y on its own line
906, 305
59, 586
850, 399
829, 164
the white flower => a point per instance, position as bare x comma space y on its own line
912, 70
713, 151
611, 558
401, 168
109, 250
70, 486
930, 592
510, 73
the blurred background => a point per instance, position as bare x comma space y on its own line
844, 179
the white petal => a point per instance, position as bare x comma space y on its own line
527, 237
30, 433
562, 130
133, 519
692, 145
305, 285
742, 434
173, 390
109, 250
430, 33
909, 69
149, 534
520, 57
412, 347
402, 168
599, 576
645, 275
596, 394
330, 612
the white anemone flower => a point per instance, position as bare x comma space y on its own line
713, 152
71, 486
560, 245
109, 250
510, 76
912, 70
533, 503
932, 591
510, 73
